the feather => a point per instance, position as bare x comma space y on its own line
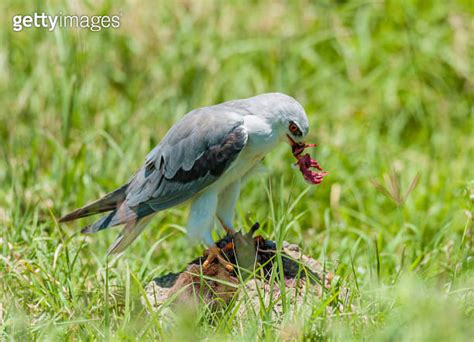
107, 203
129, 233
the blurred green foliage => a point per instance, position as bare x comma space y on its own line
388, 87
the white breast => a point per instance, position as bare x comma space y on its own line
261, 140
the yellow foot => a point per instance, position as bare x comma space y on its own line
214, 253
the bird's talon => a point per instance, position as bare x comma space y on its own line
214, 253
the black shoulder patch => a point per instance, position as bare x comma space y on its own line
215, 159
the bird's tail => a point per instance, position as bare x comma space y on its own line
109, 202
133, 219
129, 233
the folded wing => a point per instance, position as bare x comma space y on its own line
192, 155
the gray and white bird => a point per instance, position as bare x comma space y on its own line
203, 158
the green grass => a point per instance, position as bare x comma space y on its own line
388, 88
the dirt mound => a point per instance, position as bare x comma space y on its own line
254, 280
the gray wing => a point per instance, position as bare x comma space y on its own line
192, 155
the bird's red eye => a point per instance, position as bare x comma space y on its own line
293, 128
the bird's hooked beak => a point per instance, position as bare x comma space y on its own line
298, 147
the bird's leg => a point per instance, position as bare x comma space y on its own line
214, 253
227, 229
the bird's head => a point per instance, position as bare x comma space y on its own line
289, 122
286, 116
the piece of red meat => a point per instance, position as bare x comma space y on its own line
305, 163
